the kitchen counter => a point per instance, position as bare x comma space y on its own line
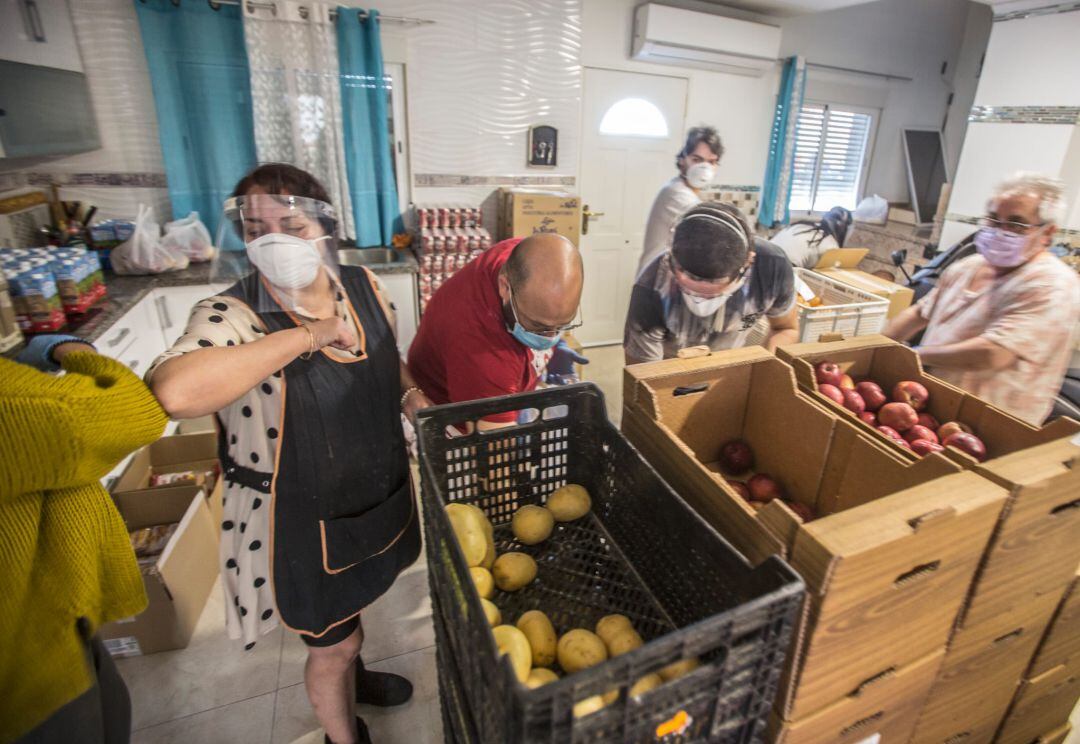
124, 292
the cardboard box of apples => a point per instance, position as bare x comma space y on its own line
876, 535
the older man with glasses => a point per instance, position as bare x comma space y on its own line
491, 328
1002, 324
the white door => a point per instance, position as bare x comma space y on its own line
633, 127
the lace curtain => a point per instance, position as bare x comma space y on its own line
296, 94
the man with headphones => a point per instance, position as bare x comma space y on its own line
710, 289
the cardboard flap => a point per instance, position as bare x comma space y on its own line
841, 258
152, 506
188, 564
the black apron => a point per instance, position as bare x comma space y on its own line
344, 520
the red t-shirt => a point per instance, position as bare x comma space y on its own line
462, 350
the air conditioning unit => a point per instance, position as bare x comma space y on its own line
674, 36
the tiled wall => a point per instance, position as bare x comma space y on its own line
1025, 117
128, 169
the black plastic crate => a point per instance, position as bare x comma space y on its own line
642, 551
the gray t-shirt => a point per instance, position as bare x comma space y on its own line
670, 203
659, 323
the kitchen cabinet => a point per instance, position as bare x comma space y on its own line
401, 290
39, 32
173, 306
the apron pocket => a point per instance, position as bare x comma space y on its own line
347, 541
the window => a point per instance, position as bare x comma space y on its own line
634, 117
831, 147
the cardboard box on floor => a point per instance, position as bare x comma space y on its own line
182, 578
842, 264
1042, 703
895, 538
887, 708
980, 674
176, 454
1061, 643
1058, 736
526, 212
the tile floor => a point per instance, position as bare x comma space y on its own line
213, 691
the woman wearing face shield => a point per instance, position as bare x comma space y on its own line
298, 361
710, 289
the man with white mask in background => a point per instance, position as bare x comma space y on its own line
710, 289
697, 162
1002, 324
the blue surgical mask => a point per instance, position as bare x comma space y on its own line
535, 341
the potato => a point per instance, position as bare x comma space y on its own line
588, 706
610, 696
513, 571
469, 532
611, 625
485, 585
489, 538
532, 524
494, 616
679, 669
540, 677
513, 643
646, 683
569, 503
541, 634
580, 649
627, 640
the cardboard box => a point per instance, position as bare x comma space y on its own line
176, 454
182, 578
979, 677
526, 212
1058, 736
1043, 703
1061, 644
887, 709
895, 538
887, 362
842, 264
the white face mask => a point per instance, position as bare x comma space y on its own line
286, 260
700, 175
703, 307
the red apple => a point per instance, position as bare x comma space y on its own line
828, 373
846, 383
920, 432
804, 512
923, 447
763, 488
912, 393
872, 394
869, 417
931, 423
946, 430
740, 488
968, 443
903, 443
891, 433
736, 457
899, 416
832, 392
853, 401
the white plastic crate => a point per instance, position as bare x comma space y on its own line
846, 309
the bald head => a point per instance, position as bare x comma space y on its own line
545, 274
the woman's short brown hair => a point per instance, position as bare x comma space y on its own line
282, 178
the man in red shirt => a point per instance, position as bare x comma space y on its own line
490, 328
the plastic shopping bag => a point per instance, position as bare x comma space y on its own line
873, 209
189, 236
143, 252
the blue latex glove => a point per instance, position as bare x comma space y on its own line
560, 369
38, 351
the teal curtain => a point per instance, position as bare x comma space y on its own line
365, 99
776, 191
199, 72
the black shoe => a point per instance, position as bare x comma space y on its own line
381, 688
362, 736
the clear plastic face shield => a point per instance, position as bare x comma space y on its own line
283, 247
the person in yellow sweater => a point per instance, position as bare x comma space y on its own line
66, 563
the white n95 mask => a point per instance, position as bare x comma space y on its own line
286, 261
700, 175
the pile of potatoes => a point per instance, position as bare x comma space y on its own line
532, 644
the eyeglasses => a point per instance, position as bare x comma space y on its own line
548, 332
1017, 228
734, 283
